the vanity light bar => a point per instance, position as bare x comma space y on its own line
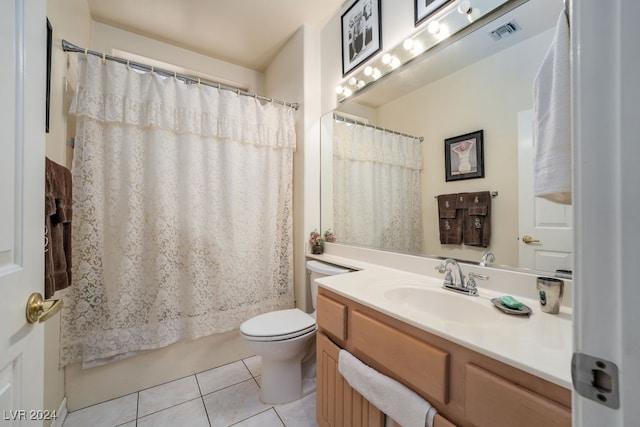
456, 18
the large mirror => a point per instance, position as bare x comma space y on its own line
482, 80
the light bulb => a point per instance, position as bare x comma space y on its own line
361, 84
417, 48
353, 81
395, 62
464, 7
474, 14
433, 27
443, 33
339, 89
347, 92
408, 44
376, 73
368, 71
386, 59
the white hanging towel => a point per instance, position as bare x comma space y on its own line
552, 119
394, 399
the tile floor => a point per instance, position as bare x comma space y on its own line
223, 396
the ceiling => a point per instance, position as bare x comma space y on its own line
244, 32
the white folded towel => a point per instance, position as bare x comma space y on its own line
394, 399
552, 112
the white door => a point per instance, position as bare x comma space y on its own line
546, 232
606, 125
22, 137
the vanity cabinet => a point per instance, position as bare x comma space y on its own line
467, 388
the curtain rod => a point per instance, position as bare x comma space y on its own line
70, 47
355, 122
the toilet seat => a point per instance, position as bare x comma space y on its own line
278, 325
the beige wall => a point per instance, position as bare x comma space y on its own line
486, 95
294, 76
106, 38
71, 21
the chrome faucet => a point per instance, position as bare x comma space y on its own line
455, 282
486, 258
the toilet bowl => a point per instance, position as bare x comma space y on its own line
284, 340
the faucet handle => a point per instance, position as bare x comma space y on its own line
471, 281
478, 276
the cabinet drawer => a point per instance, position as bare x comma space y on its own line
331, 317
422, 367
491, 400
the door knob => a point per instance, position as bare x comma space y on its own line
39, 310
528, 239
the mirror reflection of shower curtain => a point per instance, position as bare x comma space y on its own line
376, 188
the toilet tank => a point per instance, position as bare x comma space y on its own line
319, 269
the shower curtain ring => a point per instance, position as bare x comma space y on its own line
86, 52
104, 57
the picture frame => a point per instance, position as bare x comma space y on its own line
48, 84
464, 156
361, 33
425, 8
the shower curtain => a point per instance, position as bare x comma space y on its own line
182, 212
376, 188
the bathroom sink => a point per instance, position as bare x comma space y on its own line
442, 304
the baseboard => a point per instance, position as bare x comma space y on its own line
61, 414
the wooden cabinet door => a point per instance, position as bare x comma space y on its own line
337, 404
493, 401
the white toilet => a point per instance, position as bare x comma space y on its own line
283, 338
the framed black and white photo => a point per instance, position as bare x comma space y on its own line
48, 93
361, 33
464, 156
425, 8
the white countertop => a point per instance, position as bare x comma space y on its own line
540, 344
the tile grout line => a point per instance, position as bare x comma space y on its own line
279, 417
255, 415
172, 406
251, 373
206, 412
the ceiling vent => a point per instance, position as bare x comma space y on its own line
504, 30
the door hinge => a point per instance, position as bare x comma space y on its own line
595, 379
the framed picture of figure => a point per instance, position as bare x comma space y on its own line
48, 93
361, 33
425, 8
464, 156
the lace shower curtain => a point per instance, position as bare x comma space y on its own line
376, 188
182, 212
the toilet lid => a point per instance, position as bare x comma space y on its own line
279, 325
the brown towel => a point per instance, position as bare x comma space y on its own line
450, 220
58, 214
477, 221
